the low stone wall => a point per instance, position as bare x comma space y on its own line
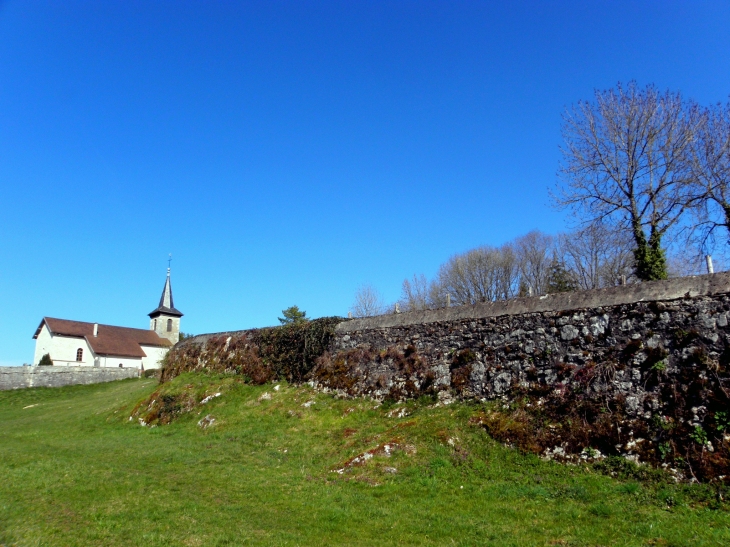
34, 376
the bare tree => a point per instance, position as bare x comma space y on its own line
533, 252
711, 170
416, 294
481, 274
438, 295
596, 256
688, 260
368, 302
626, 162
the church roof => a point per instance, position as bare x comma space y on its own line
166, 306
109, 340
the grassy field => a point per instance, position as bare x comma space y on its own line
74, 470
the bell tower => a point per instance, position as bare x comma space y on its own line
165, 319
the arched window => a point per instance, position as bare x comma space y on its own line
79, 355
121, 365
169, 325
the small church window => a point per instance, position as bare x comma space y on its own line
169, 325
155, 327
79, 355
121, 365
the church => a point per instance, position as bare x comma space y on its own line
77, 343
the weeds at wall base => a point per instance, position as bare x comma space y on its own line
565, 422
186, 393
575, 431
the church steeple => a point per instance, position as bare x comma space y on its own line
165, 319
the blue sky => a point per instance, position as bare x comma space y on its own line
288, 152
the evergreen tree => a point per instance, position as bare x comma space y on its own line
559, 278
523, 289
293, 316
45, 361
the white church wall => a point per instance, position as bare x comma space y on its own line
42, 344
110, 361
154, 356
62, 349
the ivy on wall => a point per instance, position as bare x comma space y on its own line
288, 352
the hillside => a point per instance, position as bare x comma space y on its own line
257, 465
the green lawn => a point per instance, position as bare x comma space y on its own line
74, 470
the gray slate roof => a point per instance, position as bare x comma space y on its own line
167, 306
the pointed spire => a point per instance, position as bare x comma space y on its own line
166, 298
167, 305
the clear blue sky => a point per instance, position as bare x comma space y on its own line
287, 152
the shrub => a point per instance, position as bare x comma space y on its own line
45, 361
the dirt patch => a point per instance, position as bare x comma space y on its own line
164, 406
385, 449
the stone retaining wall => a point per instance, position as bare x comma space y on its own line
641, 372
491, 355
34, 376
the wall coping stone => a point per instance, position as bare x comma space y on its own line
651, 291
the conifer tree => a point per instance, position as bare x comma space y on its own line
293, 316
559, 278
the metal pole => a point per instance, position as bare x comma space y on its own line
710, 269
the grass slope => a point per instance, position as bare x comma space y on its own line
75, 471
